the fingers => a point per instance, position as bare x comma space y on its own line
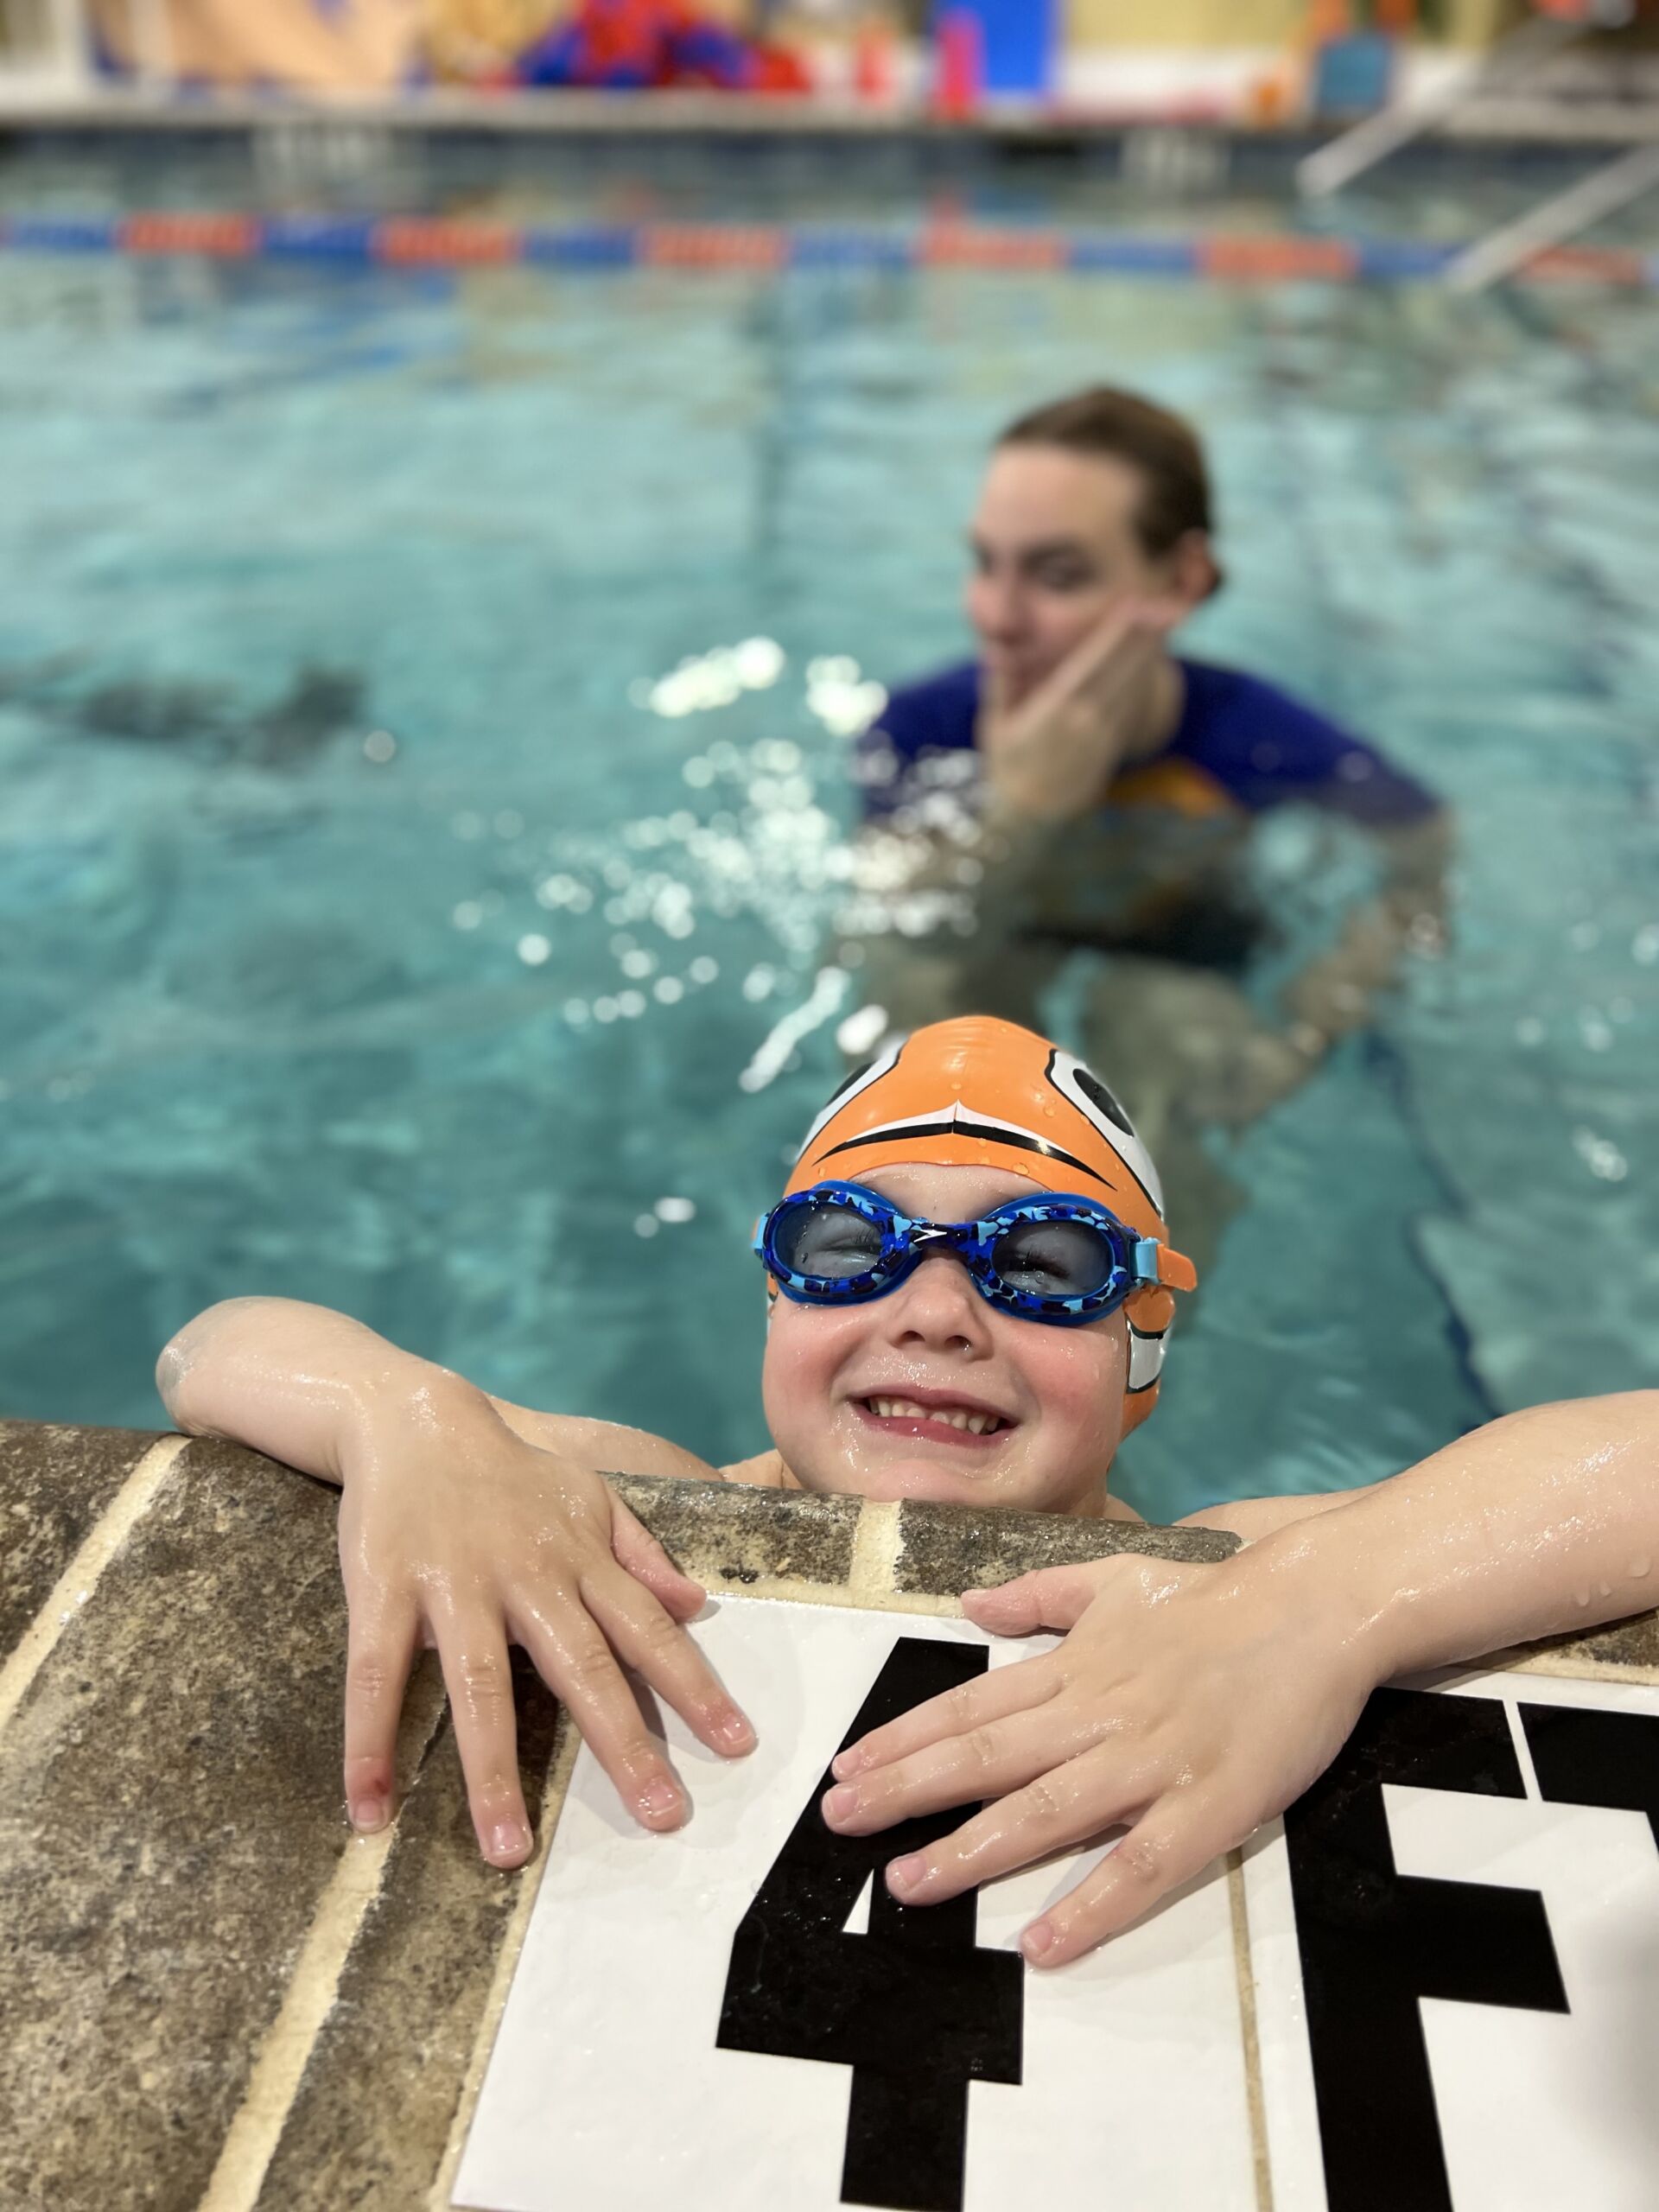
1053, 1597
569, 1634
578, 1664
1066, 1806
379, 1648
986, 1761
639, 1554
994, 690
1085, 661
472, 1651
973, 1705
659, 1649
1115, 654
1166, 1847
1120, 670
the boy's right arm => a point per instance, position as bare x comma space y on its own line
467, 1526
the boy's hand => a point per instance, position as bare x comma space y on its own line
1187, 1703
1052, 757
454, 1532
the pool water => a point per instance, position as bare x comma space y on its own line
378, 927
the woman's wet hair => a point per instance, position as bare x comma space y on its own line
1165, 450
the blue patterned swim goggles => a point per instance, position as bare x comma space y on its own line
1058, 1259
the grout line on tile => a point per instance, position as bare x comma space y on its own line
1522, 1751
1248, 2031
507, 1963
841, 1595
279, 2064
75, 1586
876, 1544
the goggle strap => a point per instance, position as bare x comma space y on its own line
1159, 1263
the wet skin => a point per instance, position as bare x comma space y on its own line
1055, 549
832, 1376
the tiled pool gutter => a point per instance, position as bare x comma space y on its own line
214, 1996
1243, 257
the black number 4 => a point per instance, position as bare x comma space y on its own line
915, 2008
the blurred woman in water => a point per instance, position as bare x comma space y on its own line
1079, 785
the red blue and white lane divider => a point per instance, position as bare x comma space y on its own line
439, 242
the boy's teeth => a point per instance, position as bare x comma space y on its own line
956, 1417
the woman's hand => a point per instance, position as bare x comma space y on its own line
454, 1532
1052, 757
1188, 1703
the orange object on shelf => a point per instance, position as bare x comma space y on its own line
874, 74
960, 68
1266, 100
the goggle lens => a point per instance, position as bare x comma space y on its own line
821, 1238
1054, 1259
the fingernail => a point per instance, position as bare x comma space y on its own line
840, 1804
735, 1733
905, 1874
1038, 1940
658, 1799
509, 1839
369, 1815
845, 1764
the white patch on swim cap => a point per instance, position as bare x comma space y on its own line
1083, 1089
1146, 1359
859, 1079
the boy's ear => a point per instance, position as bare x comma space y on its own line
1195, 572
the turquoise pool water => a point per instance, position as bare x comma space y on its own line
369, 933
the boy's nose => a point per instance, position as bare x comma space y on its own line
937, 1304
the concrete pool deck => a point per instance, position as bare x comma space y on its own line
216, 1996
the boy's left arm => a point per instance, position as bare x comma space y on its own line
1252, 1518
1541, 1522
1188, 1703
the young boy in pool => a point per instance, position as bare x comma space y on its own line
972, 1289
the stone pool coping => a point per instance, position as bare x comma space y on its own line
216, 1997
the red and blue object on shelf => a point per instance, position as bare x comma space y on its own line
1008, 48
649, 45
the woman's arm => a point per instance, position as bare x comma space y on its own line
1190, 1703
1336, 992
468, 1526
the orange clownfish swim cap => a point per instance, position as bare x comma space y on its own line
977, 1092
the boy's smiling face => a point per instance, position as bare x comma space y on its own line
875, 1399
